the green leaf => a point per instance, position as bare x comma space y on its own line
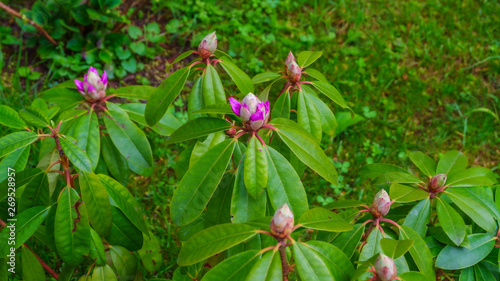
213, 92
265, 77
124, 262
96, 244
304, 146
419, 217
281, 108
474, 209
419, 251
32, 269
305, 58
395, 248
332, 93
284, 185
402, 193
217, 108
396, 177
240, 78
328, 120
125, 202
483, 273
164, 127
345, 120
123, 232
198, 128
309, 265
26, 223
219, 207
201, 147
322, 219
199, 183
134, 32
315, 74
467, 274
264, 95
255, 175
36, 193
424, 163
453, 161
103, 273
164, 95
195, 99
244, 207
16, 160
10, 118
342, 204
142, 92
71, 114
372, 246
128, 138
451, 221
115, 162
267, 268
415, 276
71, 228
471, 177
34, 116
14, 141
235, 268
75, 154
454, 258
336, 261
151, 254
308, 116
96, 198
86, 131
213, 240
182, 56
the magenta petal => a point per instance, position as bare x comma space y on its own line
104, 77
93, 70
235, 105
259, 115
79, 85
85, 78
266, 106
90, 88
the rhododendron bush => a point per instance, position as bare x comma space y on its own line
239, 203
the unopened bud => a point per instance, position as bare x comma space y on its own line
289, 59
293, 71
254, 113
93, 87
208, 45
437, 181
282, 222
385, 268
381, 204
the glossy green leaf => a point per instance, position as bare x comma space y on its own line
14, 141
419, 217
86, 132
452, 161
10, 118
454, 258
336, 261
97, 247
255, 175
66, 273
240, 78
305, 58
31, 267
164, 95
372, 171
195, 99
213, 240
451, 221
424, 163
71, 228
151, 254
372, 246
342, 204
396, 177
64, 97
309, 264
332, 93
281, 108
47, 161
415, 276
328, 120
402, 193
322, 219
315, 74
125, 202
127, 137
96, 198
182, 56
219, 207
115, 162
199, 183
16, 160
198, 128
36, 193
235, 268
124, 262
75, 154
476, 176
217, 108
140, 92
483, 273
123, 232
201, 147
265, 77
304, 146
308, 116
34, 116
284, 185
474, 209
264, 95
267, 268
26, 223
103, 273
419, 251
213, 91
71, 115
395, 248
164, 127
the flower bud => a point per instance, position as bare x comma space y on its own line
208, 45
254, 113
282, 222
385, 268
93, 87
381, 204
293, 72
437, 181
289, 59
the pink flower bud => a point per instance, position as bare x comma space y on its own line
208, 45
381, 204
385, 268
289, 59
293, 71
282, 222
93, 87
254, 113
437, 181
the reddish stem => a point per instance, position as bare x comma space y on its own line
44, 265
